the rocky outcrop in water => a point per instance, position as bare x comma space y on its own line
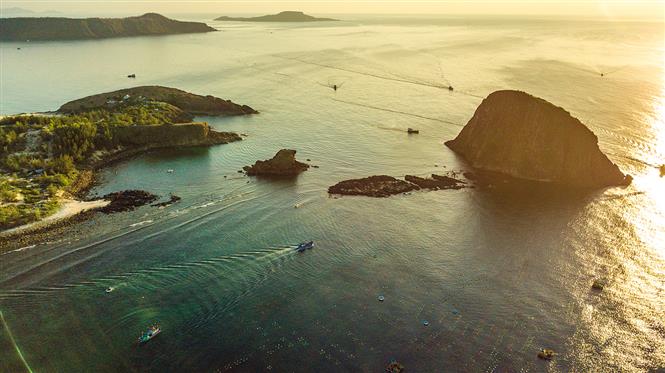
373, 186
190, 103
127, 200
526, 137
284, 163
436, 182
287, 16
58, 28
385, 186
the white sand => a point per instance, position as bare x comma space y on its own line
68, 208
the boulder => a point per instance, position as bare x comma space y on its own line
284, 163
526, 137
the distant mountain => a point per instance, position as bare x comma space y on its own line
15, 12
48, 28
22, 12
288, 16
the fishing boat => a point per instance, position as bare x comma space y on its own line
150, 334
305, 246
411, 130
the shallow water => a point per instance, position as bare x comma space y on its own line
496, 274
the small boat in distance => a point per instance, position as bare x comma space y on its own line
149, 334
305, 246
411, 130
131, 76
109, 289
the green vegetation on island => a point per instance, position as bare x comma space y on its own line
44, 158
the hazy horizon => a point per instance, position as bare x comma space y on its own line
620, 9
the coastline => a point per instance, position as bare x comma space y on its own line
75, 208
67, 209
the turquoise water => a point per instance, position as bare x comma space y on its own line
496, 274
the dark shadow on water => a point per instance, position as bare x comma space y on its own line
161, 155
281, 181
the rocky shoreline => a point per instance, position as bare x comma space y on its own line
132, 140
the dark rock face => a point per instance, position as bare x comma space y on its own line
190, 103
287, 16
282, 164
437, 182
373, 186
526, 137
161, 136
127, 200
52, 28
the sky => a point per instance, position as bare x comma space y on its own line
654, 9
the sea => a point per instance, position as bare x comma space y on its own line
472, 280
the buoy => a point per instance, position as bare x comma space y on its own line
381, 298
425, 322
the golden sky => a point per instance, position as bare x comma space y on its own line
598, 8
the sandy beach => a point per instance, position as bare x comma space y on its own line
68, 208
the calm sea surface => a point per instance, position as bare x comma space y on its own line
496, 274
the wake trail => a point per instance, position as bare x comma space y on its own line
398, 112
119, 234
364, 73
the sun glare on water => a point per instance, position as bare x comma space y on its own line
652, 219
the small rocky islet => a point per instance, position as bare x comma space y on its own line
385, 186
525, 137
283, 164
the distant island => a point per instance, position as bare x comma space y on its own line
522, 136
47, 160
57, 28
288, 16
